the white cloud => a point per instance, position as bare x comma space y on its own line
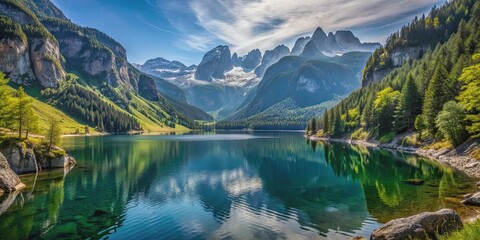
249, 24
197, 42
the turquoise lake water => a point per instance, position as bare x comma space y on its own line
265, 185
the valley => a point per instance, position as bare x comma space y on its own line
247, 119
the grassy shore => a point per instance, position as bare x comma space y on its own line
471, 231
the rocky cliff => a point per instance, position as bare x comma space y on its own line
389, 60
29, 158
9, 181
214, 64
85, 53
27, 50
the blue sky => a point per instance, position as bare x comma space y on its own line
184, 30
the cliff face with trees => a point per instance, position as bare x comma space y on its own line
434, 93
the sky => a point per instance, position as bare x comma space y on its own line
184, 30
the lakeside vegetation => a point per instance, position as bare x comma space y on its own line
435, 96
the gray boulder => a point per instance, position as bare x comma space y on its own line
427, 225
472, 199
20, 158
9, 181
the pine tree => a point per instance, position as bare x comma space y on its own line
337, 125
53, 134
437, 94
407, 106
21, 110
326, 123
31, 121
313, 128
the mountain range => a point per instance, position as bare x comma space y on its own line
42, 48
318, 69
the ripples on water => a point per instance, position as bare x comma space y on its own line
226, 186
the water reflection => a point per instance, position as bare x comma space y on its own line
267, 185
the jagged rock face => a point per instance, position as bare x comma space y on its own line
45, 57
20, 158
147, 88
335, 44
300, 45
236, 60
397, 58
270, 57
96, 62
24, 158
15, 60
214, 64
32, 57
248, 62
8, 179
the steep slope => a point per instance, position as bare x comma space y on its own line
411, 42
305, 82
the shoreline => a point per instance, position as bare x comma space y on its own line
448, 157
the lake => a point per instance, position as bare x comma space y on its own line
262, 185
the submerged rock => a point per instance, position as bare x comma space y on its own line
427, 225
415, 181
472, 199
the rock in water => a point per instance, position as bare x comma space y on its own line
425, 225
415, 181
472, 199
9, 181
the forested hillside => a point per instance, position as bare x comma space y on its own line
83, 72
434, 94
